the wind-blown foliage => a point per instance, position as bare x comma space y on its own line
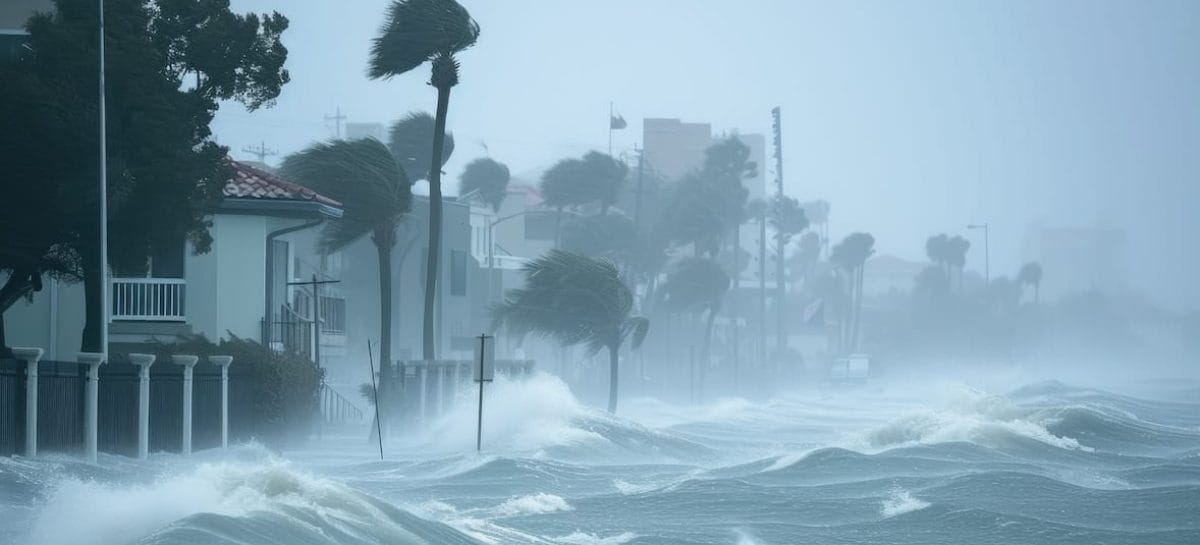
375, 195
574, 299
420, 31
706, 205
417, 31
612, 236
696, 284
1031, 275
487, 176
411, 141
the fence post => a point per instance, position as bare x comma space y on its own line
31, 356
91, 401
143, 361
224, 362
189, 364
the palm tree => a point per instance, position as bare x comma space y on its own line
575, 299
1031, 274
956, 256
696, 284
851, 256
603, 177
612, 236
375, 194
487, 176
787, 219
411, 141
416, 32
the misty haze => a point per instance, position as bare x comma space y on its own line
624, 272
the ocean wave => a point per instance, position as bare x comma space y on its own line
533, 504
228, 502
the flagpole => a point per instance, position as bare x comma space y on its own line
610, 120
104, 294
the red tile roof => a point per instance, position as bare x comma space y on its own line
249, 182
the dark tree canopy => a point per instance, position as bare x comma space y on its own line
411, 141
165, 76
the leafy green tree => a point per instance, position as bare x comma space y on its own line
487, 176
375, 194
169, 63
696, 284
850, 255
416, 32
575, 299
411, 141
1031, 275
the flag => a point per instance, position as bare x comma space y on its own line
616, 122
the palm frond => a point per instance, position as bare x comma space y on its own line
363, 176
415, 31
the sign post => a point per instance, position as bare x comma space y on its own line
485, 372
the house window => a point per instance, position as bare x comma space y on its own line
458, 272
539, 226
333, 314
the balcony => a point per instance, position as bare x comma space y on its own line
149, 299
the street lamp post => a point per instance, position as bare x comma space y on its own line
987, 257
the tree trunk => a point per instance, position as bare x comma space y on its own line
858, 281
435, 223
705, 351
384, 253
613, 359
93, 282
780, 299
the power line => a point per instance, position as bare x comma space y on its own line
262, 151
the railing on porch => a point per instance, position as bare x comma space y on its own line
149, 299
289, 331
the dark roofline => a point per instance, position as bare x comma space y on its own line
284, 208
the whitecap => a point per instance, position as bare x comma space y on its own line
901, 502
533, 504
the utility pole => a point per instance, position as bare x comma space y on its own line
262, 152
487, 355
780, 271
637, 206
337, 120
762, 288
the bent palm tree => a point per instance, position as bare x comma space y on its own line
851, 256
487, 176
416, 32
375, 195
575, 299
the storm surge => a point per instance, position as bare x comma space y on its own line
1044, 463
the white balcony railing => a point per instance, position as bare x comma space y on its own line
149, 299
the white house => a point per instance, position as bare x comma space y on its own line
216, 294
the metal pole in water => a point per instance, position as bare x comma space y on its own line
375, 391
481, 379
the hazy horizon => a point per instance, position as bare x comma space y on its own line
910, 122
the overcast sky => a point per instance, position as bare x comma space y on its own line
911, 118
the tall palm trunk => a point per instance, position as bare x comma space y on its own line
613, 359
858, 296
383, 250
780, 299
435, 222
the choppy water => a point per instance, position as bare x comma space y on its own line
1046, 463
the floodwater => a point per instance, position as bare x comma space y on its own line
1043, 463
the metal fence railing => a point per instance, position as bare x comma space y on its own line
149, 299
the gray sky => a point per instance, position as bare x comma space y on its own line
912, 118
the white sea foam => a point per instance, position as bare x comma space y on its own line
582, 538
533, 504
901, 502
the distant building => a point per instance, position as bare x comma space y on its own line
1076, 259
674, 148
356, 131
